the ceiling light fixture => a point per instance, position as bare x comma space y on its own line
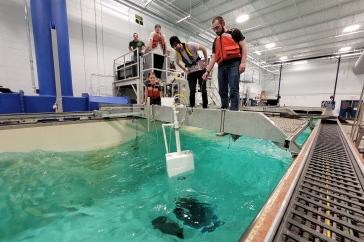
283, 58
270, 45
146, 4
300, 62
356, 32
242, 18
344, 49
351, 28
183, 19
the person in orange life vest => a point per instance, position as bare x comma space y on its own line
229, 50
192, 65
153, 89
157, 44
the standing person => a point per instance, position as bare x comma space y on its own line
136, 43
153, 89
230, 52
157, 44
133, 45
192, 65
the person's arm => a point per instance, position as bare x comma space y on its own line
149, 44
165, 45
209, 67
244, 55
148, 47
179, 64
130, 49
204, 51
143, 48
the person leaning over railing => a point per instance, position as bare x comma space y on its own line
192, 65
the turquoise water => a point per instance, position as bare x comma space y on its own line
114, 194
301, 139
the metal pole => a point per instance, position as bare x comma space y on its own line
337, 75
279, 83
57, 76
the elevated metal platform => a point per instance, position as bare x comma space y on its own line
281, 131
321, 198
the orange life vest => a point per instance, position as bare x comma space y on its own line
226, 48
153, 90
158, 38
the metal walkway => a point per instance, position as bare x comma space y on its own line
328, 201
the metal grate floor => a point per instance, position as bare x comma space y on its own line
328, 201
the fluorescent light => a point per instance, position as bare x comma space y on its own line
258, 52
283, 58
270, 45
300, 62
344, 49
360, 31
146, 4
242, 18
183, 19
351, 28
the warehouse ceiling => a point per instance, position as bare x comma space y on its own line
294, 28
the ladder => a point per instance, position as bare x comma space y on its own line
213, 93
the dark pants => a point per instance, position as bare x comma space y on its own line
228, 78
158, 64
192, 81
155, 101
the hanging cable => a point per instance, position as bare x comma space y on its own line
83, 47
96, 38
102, 37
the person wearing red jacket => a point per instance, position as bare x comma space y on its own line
229, 51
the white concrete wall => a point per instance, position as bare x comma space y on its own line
309, 84
99, 32
14, 55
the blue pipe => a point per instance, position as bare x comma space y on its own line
47, 14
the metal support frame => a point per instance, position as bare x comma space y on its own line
279, 83
137, 82
337, 75
57, 76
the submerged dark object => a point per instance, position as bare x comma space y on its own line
167, 226
196, 214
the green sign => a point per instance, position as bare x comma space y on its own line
138, 19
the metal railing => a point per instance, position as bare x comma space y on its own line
131, 69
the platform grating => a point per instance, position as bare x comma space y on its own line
328, 201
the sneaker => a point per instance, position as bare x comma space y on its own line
221, 134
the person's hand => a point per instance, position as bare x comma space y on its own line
205, 75
241, 68
204, 64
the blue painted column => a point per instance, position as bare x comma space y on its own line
41, 21
47, 14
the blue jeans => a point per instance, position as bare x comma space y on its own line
229, 77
